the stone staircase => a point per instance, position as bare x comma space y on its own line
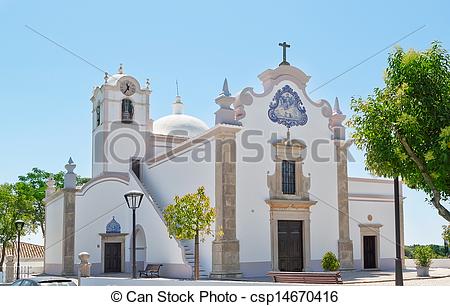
186, 245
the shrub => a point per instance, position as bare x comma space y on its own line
330, 262
423, 256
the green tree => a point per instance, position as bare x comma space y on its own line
16, 202
37, 181
446, 233
190, 217
404, 128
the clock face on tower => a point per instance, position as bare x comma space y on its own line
127, 87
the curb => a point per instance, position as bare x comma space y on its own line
393, 280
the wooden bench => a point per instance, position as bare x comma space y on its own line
306, 277
152, 270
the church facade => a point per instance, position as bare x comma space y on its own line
274, 166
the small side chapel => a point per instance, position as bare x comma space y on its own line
274, 166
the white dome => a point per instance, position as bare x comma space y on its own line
178, 123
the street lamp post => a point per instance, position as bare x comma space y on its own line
134, 199
398, 249
19, 226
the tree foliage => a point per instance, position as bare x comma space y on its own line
16, 202
439, 251
25, 200
404, 128
190, 217
446, 233
37, 182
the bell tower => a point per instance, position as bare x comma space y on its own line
121, 122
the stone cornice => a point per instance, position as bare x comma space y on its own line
106, 176
289, 204
113, 234
169, 138
370, 225
371, 198
371, 180
54, 196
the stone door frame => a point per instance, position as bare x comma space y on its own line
113, 238
290, 211
369, 229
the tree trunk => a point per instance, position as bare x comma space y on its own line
43, 228
436, 199
197, 257
2, 259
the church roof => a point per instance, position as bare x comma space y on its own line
178, 123
27, 250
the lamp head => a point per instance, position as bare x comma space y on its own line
134, 199
19, 224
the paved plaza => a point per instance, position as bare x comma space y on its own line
438, 276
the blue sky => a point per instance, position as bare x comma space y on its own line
45, 91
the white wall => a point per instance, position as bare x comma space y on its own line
54, 234
382, 213
181, 175
372, 197
253, 213
95, 209
130, 143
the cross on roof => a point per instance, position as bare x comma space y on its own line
284, 45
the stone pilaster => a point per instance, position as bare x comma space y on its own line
69, 232
345, 245
69, 219
225, 247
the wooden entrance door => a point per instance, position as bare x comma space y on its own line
290, 245
370, 258
113, 257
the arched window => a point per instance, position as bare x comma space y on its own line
97, 111
127, 111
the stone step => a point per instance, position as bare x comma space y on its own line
187, 245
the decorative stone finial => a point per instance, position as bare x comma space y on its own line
70, 178
336, 108
120, 71
50, 186
84, 268
147, 83
106, 77
225, 91
225, 114
336, 120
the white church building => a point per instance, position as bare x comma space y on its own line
274, 166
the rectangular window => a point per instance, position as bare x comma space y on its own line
288, 177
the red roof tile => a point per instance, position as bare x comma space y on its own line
27, 250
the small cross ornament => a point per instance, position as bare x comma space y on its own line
284, 45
